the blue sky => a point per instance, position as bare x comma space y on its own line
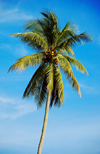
74, 128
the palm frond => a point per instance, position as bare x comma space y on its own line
68, 26
41, 82
34, 26
53, 95
33, 39
75, 62
66, 49
66, 68
65, 34
81, 38
57, 95
45, 15
46, 84
85, 37
59, 89
32, 85
55, 98
66, 44
49, 25
41, 92
26, 61
31, 25
50, 77
62, 60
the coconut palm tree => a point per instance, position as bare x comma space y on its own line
54, 54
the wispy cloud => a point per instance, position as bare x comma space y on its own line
89, 89
21, 51
17, 50
14, 107
86, 87
6, 100
12, 15
5, 46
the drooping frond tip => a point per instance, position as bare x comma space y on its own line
27, 61
75, 62
66, 68
79, 92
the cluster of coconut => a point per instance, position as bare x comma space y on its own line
51, 56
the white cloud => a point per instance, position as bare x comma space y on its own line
12, 15
21, 51
13, 107
5, 46
5, 100
85, 86
88, 89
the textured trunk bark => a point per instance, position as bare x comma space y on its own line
44, 125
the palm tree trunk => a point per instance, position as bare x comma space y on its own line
44, 125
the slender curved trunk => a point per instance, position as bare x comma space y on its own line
44, 125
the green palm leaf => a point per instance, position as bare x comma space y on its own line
50, 77
75, 62
66, 50
33, 39
35, 82
57, 96
81, 38
59, 91
26, 61
41, 92
66, 68
68, 41
49, 25
65, 33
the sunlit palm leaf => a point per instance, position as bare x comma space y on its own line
26, 61
50, 77
66, 68
68, 26
75, 62
35, 80
63, 60
64, 34
57, 95
59, 90
53, 95
66, 50
32, 25
81, 38
33, 39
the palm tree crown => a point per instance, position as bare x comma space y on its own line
54, 53
54, 47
